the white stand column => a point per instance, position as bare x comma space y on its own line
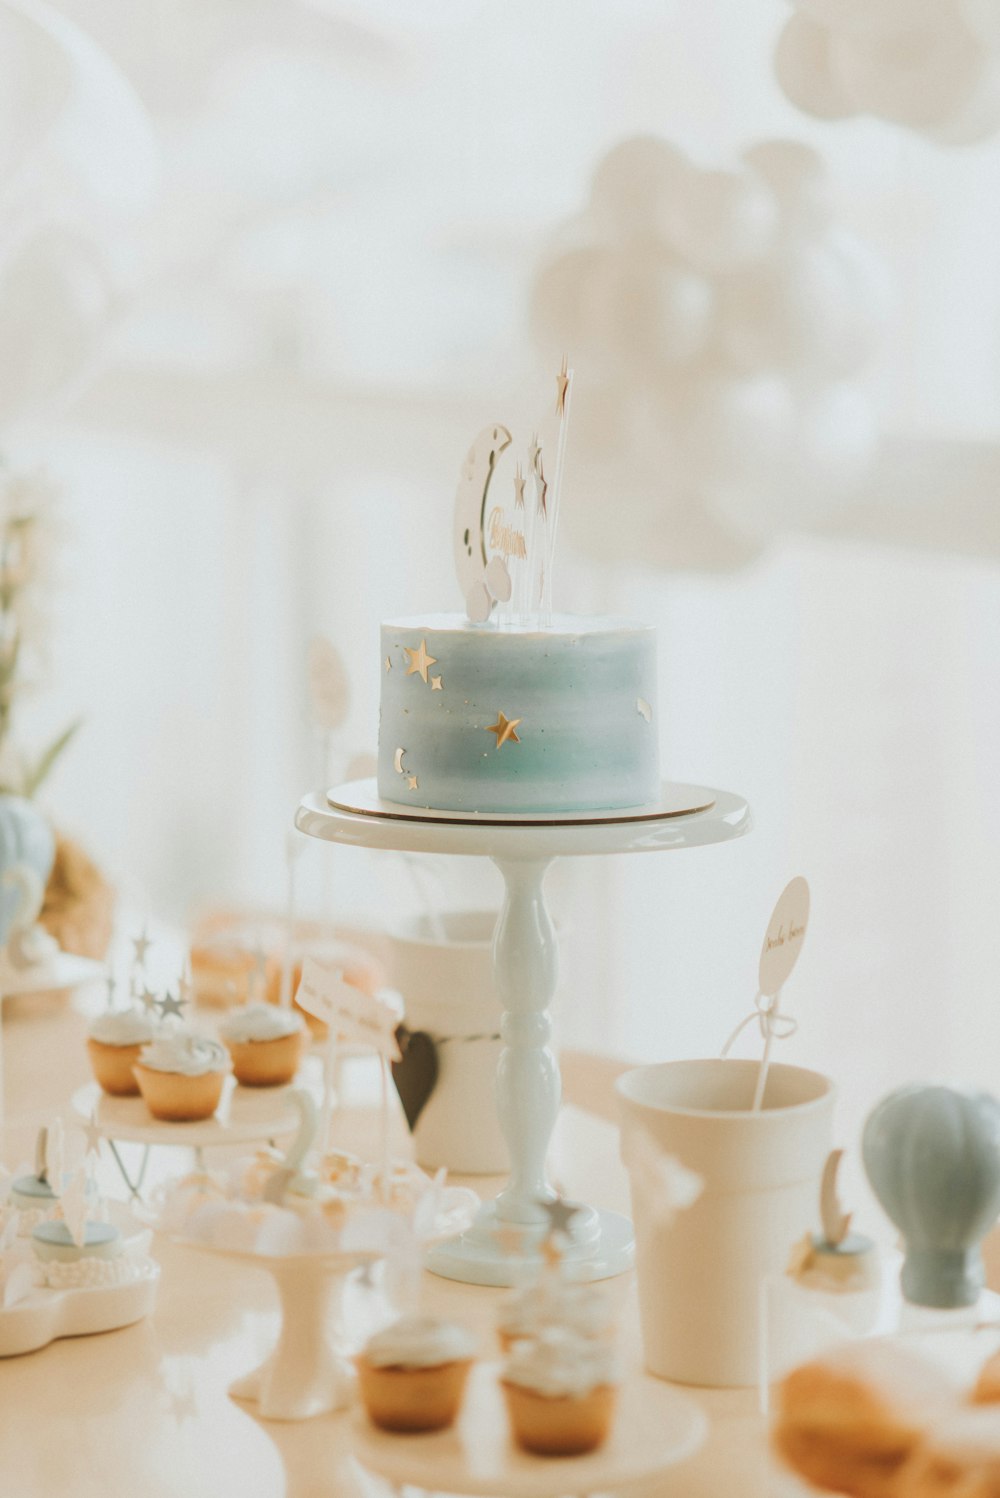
526, 969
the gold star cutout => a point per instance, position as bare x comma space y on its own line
412, 783
562, 385
436, 684
518, 488
419, 661
534, 450
504, 730
388, 664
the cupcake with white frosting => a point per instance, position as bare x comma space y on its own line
561, 1390
554, 1301
180, 1076
412, 1374
114, 1041
266, 1043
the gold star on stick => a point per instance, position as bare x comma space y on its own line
562, 385
436, 684
419, 661
504, 730
518, 488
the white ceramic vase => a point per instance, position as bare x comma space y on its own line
700, 1275
447, 986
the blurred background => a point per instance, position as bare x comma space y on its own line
266, 266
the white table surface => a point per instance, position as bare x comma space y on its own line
145, 1411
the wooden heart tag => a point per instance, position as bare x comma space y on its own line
416, 1074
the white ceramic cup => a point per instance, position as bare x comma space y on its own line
700, 1274
447, 989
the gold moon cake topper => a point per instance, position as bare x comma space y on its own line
484, 580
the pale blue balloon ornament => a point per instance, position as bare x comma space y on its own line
932, 1154
27, 853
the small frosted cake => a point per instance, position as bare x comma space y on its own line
561, 1391
180, 1076
578, 1308
114, 1041
412, 1375
481, 718
34, 1200
265, 1043
95, 1259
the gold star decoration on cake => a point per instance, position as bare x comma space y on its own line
388, 663
412, 783
420, 661
562, 385
504, 729
437, 684
518, 488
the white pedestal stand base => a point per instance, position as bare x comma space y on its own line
306, 1373
525, 966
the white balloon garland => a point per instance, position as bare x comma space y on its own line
931, 66
722, 325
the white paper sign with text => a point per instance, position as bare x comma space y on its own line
784, 936
351, 1014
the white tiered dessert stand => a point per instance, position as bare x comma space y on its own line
525, 964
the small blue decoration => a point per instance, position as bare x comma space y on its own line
25, 839
932, 1154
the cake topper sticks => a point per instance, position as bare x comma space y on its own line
782, 944
553, 495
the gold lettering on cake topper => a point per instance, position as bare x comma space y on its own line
506, 539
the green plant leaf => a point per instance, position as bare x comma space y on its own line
35, 777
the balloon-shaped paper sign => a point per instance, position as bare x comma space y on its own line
784, 936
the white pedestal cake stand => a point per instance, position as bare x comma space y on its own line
525, 964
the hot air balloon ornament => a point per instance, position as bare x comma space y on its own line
932, 1154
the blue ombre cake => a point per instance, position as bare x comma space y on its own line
492, 718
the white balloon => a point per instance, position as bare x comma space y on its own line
576, 301
718, 219
792, 312
804, 69
738, 430
868, 17
666, 310
56, 304
836, 440
796, 175
920, 77
979, 118
633, 184
983, 18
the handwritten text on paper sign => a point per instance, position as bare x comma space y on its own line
351, 1014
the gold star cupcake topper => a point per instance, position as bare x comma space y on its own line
504, 729
437, 685
420, 661
518, 488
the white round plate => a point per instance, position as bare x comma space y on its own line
245, 1114
655, 1427
362, 798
